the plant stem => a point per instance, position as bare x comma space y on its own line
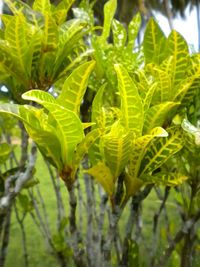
6, 236
78, 252
189, 224
24, 243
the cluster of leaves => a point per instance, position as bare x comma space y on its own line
131, 137
38, 46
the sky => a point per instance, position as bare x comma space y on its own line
187, 28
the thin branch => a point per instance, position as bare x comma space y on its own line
178, 237
6, 236
24, 243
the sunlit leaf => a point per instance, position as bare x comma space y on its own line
157, 115
109, 11
133, 30
160, 150
154, 43
119, 33
139, 149
75, 86
117, 148
131, 103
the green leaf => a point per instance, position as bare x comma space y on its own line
61, 11
15, 34
160, 150
117, 147
133, 30
36, 121
11, 109
157, 115
24, 203
8, 63
163, 178
75, 86
69, 35
139, 149
164, 90
39, 96
103, 176
50, 34
119, 34
177, 47
83, 148
43, 6
154, 43
109, 11
68, 126
13, 6
187, 89
148, 96
131, 103
5, 150
35, 50
132, 184
97, 104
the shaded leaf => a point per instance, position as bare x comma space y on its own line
103, 176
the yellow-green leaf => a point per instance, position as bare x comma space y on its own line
131, 103
103, 176
139, 149
160, 150
156, 115
75, 86
117, 148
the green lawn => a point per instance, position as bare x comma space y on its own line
39, 255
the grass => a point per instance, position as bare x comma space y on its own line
39, 254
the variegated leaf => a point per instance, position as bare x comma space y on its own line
148, 96
116, 147
8, 64
119, 34
50, 35
164, 90
178, 49
140, 147
133, 29
154, 43
61, 11
75, 86
160, 150
39, 96
188, 88
83, 148
157, 115
43, 6
131, 103
97, 104
109, 11
165, 179
16, 35
43, 134
68, 127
